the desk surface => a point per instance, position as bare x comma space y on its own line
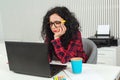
92, 71
103, 72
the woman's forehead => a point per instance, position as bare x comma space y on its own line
55, 17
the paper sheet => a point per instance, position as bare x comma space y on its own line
103, 29
87, 74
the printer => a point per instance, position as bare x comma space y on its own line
103, 41
102, 38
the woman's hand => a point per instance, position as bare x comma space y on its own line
61, 31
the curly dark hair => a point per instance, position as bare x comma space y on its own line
71, 24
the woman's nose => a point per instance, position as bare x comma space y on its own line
53, 26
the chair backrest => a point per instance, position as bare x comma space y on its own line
90, 49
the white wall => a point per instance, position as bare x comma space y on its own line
22, 19
119, 20
1, 31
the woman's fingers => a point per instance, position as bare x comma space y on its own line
61, 32
63, 28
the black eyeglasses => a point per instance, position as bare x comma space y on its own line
56, 23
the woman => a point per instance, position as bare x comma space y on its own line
60, 30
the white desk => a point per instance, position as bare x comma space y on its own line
90, 71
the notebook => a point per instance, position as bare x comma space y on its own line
31, 58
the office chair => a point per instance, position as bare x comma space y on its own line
90, 49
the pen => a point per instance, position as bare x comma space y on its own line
63, 78
59, 78
55, 78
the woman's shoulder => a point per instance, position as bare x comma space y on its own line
77, 35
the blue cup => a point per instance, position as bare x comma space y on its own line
76, 64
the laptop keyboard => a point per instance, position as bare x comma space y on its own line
56, 68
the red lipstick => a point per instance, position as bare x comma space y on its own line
54, 30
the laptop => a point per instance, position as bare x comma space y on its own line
31, 58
